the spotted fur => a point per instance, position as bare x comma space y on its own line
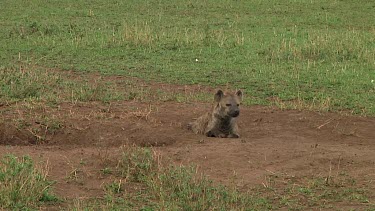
221, 121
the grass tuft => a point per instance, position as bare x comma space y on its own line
144, 183
23, 186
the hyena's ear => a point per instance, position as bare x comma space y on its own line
219, 94
239, 94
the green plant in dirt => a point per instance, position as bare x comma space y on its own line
40, 125
137, 163
22, 185
27, 83
50, 124
114, 187
145, 184
315, 192
40, 84
106, 171
183, 188
96, 91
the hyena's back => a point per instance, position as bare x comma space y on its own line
199, 125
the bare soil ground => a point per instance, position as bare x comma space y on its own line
295, 144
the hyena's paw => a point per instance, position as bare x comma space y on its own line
217, 135
233, 136
210, 134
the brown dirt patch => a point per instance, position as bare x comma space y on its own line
273, 141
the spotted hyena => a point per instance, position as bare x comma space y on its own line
221, 120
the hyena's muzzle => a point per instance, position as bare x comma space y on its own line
234, 112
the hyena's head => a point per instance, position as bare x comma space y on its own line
228, 103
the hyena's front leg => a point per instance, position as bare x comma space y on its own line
234, 132
212, 130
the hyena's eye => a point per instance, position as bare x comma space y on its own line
228, 104
238, 105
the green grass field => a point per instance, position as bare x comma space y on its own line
301, 54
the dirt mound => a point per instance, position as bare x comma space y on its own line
11, 135
142, 125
